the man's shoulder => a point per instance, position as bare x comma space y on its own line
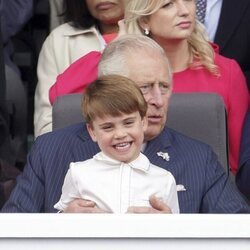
68, 133
72, 143
179, 139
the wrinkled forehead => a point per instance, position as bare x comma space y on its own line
148, 67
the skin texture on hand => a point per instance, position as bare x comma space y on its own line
157, 207
83, 206
87, 206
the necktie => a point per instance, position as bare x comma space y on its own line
201, 10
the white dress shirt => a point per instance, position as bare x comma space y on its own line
212, 17
114, 186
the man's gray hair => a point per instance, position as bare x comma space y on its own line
113, 60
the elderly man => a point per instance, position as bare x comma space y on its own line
204, 187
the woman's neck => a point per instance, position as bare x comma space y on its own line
108, 28
178, 54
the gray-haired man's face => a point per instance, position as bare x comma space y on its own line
150, 72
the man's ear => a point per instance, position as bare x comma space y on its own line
144, 123
91, 131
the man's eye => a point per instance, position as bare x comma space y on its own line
145, 88
164, 87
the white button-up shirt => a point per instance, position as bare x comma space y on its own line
114, 186
212, 17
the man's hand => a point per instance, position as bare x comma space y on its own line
83, 206
157, 207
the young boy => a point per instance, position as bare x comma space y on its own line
119, 176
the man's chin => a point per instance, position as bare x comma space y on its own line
152, 132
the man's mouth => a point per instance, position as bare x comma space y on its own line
154, 118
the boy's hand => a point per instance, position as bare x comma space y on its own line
157, 207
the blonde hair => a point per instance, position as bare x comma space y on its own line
199, 45
112, 95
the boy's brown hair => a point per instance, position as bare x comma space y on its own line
112, 95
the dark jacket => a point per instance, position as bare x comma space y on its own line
233, 33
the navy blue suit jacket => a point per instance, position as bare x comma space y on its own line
243, 174
193, 164
233, 33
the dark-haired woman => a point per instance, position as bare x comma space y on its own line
90, 25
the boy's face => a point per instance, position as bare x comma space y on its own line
119, 137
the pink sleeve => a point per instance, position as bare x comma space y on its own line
76, 77
238, 102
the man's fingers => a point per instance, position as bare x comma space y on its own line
85, 203
78, 206
140, 210
159, 205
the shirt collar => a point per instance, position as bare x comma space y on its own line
141, 162
72, 31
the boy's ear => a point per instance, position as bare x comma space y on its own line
91, 132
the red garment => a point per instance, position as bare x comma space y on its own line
88, 64
109, 37
76, 77
231, 86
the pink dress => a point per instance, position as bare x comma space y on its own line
231, 86
79, 74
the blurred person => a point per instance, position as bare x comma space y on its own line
56, 11
90, 25
242, 178
8, 171
119, 176
231, 34
14, 15
203, 185
6, 149
196, 65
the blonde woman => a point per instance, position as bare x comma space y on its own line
196, 64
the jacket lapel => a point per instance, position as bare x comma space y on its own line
231, 14
161, 144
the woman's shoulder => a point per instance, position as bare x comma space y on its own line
220, 59
67, 29
226, 64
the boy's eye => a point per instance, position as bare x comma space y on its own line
107, 128
129, 122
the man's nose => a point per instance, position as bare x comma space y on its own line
156, 97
